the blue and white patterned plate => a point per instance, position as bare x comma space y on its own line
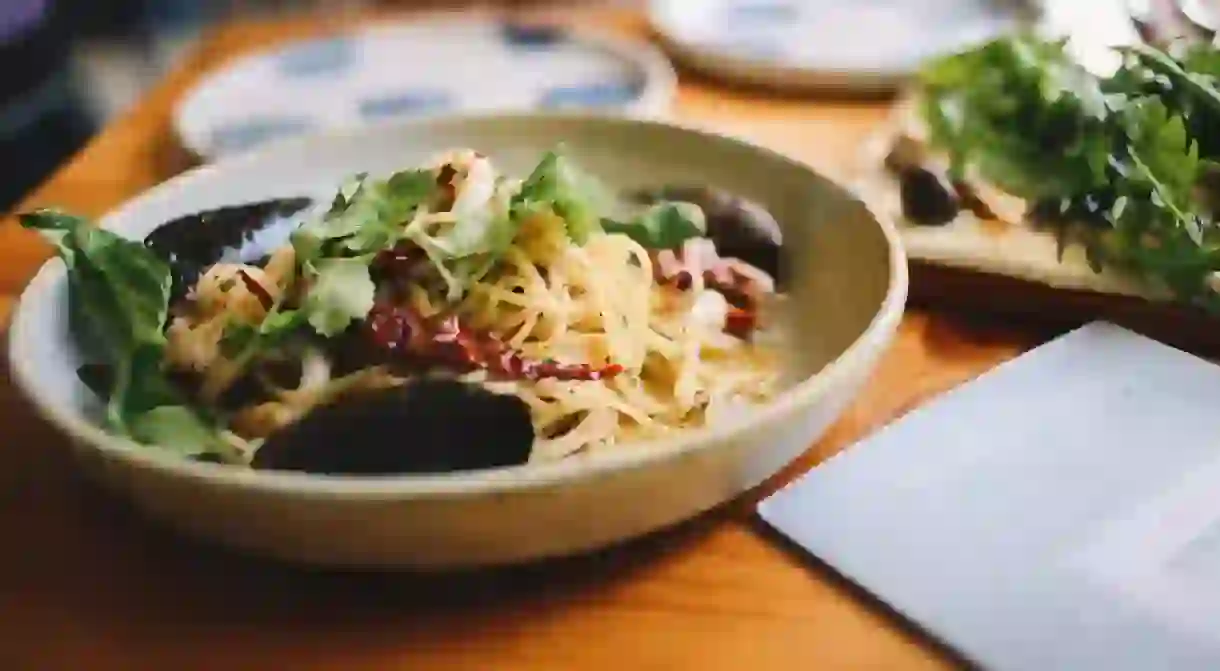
431, 67
809, 44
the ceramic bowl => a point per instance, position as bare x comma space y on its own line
848, 279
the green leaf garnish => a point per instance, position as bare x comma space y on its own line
341, 292
1118, 162
1022, 113
367, 215
558, 186
1164, 159
662, 226
243, 342
119, 288
175, 427
470, 249
119, 296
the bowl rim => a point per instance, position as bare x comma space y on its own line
654, 101
52, 274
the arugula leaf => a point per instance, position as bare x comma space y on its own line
1201, 85
1156, 230
1117, 165
662, 226
119, 291
1163, 158
557, 186
1202, 60
1186, 84
341, 291
1022, 113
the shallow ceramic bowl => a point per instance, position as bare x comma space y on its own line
848, 288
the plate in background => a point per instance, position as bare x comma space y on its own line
440, 66
864, 45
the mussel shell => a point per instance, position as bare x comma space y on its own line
740, 228
244, 233
429, 425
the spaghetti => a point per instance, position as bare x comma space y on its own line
609, 334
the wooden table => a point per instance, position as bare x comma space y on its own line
87, 585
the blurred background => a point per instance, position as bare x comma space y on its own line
69, 66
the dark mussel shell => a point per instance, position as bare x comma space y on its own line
740, 228
429, 425
239, 233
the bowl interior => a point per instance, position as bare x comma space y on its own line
842, 263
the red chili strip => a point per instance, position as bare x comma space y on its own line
448, 342
260, 292
740, 323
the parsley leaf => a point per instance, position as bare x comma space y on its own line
341, 291
367, 215
559, 187
555, 188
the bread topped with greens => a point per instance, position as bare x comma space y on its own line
1098, 195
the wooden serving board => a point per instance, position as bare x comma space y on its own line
1006, 269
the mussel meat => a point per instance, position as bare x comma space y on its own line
428, 425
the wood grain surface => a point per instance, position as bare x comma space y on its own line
88, 585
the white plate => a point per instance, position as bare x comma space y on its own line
866, 45
439, 66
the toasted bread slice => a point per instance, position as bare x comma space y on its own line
1005, 265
